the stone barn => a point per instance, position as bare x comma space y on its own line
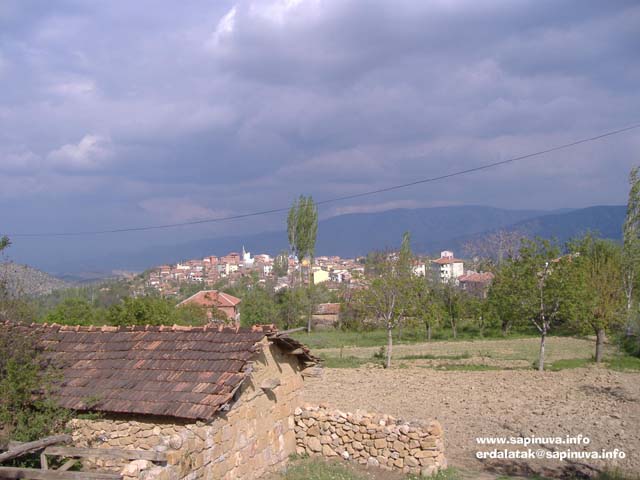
217, 402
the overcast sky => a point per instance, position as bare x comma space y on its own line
127, 113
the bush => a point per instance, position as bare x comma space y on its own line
27, 411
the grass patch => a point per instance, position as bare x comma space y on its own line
624, 363
378, 337
568, 363
446, 474
309, 469
429, 356
465, 368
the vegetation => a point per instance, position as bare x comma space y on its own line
302, 230
27, 411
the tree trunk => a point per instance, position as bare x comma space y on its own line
599, 344
454, 330
389, 347
543, 337
429, 332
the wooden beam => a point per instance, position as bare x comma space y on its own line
43, 462
291, 330
67, 465
119, 453
32, 446
36, 474
297, 351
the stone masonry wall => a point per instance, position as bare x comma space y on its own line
255, 436
374, 440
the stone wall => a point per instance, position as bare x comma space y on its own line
374, 440
255, 436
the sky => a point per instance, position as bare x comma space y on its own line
118, 114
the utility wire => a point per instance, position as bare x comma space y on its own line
335, 199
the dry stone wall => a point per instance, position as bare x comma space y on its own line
369, 439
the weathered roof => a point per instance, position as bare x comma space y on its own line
327, 309
184, 372
212, 298
476, 277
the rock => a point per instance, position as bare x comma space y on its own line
373, 462
314, 444
327, 451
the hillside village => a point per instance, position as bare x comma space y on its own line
333, 272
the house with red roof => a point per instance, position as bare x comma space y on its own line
213, 300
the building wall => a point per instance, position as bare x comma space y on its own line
255, 436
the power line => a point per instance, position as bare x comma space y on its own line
335, 199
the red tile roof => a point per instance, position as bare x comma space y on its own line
184, 372
212, 298
475, 277
446, 260
327, 309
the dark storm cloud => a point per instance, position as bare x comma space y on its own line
143, 112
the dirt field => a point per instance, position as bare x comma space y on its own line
596, 402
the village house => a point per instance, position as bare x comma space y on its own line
326, 315
476, 283
210, 402
213, 300
447, 267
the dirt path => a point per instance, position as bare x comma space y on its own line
598, 403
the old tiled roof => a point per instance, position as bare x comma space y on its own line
212, 298
447, 260
477, 277
327, 309
183, 372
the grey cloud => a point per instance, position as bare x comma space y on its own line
236, 106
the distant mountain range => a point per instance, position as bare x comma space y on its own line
432, 230
350, 235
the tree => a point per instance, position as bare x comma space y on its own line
533, 286
258, 307
281, 265
387, 296
599, 287
27, 408
493, 247
426, 304
302, 230
291, 305
75, 311
631, 249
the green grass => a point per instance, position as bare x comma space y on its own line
447, 474
346, 362
429, 356
376, 338
624, 363
467, 368
313, 469
568, 363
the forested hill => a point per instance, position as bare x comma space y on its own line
25, 280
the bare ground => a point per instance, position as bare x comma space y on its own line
601, 404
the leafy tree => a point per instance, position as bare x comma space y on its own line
152, 311
258, 307
302, 230
598, 286
291, 305
452, 301
27, 411
533, 286
631, 250
75, 311
281, 265
426, 305
388, 293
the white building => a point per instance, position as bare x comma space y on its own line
447, 267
